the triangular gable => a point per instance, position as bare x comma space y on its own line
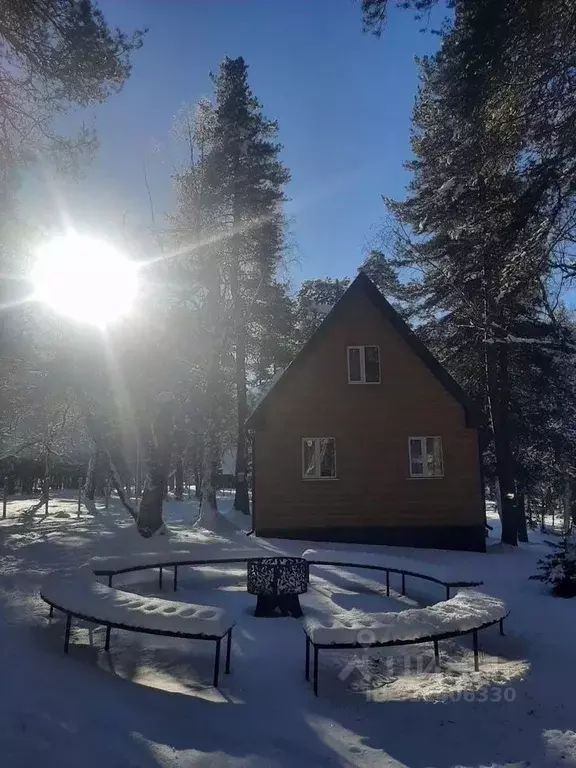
363, 284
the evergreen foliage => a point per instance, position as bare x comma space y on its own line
230, 218
559, 568
483, 238
54, 54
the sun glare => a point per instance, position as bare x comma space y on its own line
84, 278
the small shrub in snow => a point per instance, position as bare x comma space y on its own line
559, 568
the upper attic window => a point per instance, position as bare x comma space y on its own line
364, 365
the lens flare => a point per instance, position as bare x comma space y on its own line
85, 279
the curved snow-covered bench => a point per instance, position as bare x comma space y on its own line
198, 555
86, 599
404, 566
468, 612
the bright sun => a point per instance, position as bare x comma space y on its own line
84, 278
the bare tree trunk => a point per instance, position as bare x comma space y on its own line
197, 477
497, 498
567, 503
46, 481
119, 488
573, 502
208, 515
150, 510
157, 465
179, 479
241, 500
90, 486
496, 360
138, 471
522, 527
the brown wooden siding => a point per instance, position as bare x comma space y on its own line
371, 424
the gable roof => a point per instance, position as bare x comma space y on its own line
362, 285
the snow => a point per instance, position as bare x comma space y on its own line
81, 594
200, 551
385, 560
267, 388
467, 610
149, 703
322, 308
447, 185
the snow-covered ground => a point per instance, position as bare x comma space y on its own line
150, 703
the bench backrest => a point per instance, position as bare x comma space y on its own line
383, 561
201, 554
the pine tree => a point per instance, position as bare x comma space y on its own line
476, 224
250, 179
271, 343
200, 294
314, 301
53, 54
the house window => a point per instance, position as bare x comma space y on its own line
364, 365
318, 458
426, 457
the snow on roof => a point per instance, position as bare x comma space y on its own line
467, 610
267, 387
83, 595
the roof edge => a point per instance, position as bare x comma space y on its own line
364, 284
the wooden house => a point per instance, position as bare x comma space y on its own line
365, 437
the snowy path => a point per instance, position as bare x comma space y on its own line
150, 703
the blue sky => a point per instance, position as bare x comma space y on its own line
343, 100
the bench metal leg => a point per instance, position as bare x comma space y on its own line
307, 668
107, 644
175, 578
501, 622
217, 663
51, 612
387, 583
475, 641
447, 593
436, 653
228, 651
315, 670
110, 580
403, 584
160, 578
67, 632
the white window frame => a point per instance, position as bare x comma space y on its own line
425, 474
317, 459
362, 348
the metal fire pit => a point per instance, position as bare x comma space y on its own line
277, 582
